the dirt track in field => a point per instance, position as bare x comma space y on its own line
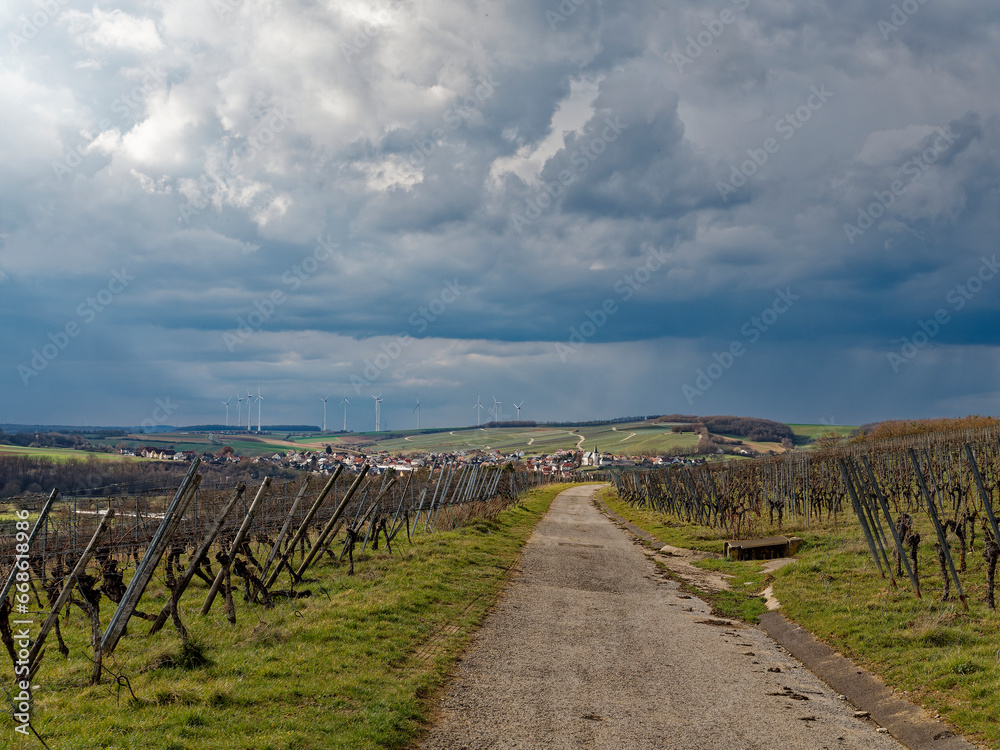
591, 647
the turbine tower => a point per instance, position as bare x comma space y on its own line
226, 404
417, 410
345, 402
239, 409
479, 414
324, 400
249, 405
378, 400
518, 407
496, 409
259, 399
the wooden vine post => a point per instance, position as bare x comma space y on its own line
144, 573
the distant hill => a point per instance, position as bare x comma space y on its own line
78, 429
264, 428
892, 428
598, 422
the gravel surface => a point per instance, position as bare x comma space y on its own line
590, 647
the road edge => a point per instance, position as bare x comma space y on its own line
430, 701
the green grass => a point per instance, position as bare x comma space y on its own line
748, 579
653, 441
61, 454
813, 431
243, 445
934, 652
356, 665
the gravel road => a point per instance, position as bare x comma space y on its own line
590, 647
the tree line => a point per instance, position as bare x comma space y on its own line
20, 475
751, 428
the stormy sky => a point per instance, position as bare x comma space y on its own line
759, 207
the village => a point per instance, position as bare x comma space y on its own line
326, 461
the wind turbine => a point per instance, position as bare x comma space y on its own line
479, 414
345, 402
239, 409
324, 400
378, 400
518, 407
259, 399
496, 409
417, 410
249, 404
226, 404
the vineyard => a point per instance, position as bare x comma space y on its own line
906, 493
260, 541
897, 564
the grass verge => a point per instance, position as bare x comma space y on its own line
352, 666
932, 651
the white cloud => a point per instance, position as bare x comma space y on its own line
168, 138
115, 30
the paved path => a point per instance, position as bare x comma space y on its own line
591, 647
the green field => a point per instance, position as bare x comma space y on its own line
650, 439
60, 454
630, 439
813, 431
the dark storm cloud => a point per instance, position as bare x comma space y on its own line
484, 181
